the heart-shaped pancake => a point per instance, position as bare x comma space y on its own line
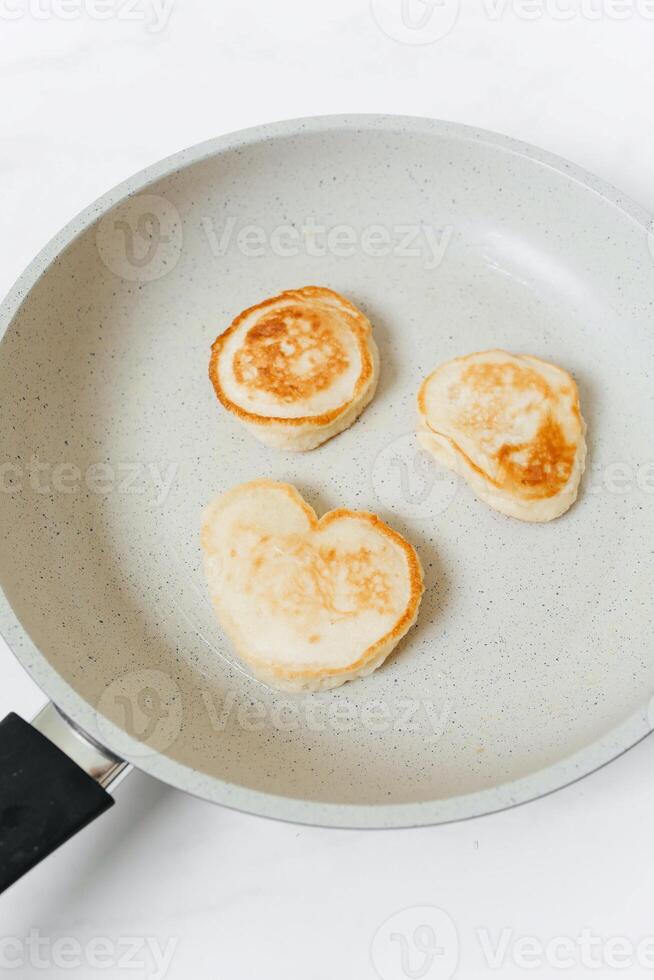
309, 604
511, 425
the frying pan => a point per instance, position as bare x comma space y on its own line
531, 664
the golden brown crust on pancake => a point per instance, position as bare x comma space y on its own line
277, 343
264, 361
535, 470
372, 587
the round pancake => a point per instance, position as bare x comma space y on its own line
511, 425
336, 595
297, 368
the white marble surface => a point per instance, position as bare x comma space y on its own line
85, 103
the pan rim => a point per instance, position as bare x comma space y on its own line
359, 816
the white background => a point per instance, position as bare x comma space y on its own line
85, 103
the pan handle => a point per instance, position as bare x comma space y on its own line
53, 782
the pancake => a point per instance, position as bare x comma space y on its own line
511, 426
308, 604
298, 368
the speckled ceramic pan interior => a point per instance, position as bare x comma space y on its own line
531, 663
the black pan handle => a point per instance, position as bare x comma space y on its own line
45, 796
